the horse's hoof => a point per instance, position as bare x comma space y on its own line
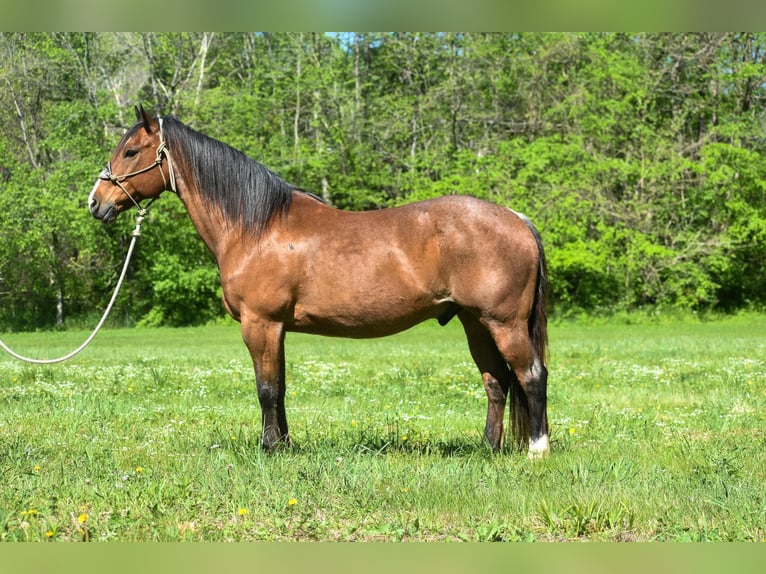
275, 445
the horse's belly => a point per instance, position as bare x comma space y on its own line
366, 321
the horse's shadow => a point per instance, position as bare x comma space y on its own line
373, 445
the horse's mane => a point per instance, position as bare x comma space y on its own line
245, 192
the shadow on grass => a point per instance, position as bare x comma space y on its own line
370, 444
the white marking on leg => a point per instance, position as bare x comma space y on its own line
539, 448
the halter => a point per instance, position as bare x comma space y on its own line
107, 175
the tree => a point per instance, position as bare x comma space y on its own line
639, 156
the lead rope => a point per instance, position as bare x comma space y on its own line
106, 174
136, 234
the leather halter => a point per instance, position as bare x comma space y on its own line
107, 175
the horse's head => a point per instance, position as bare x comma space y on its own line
130, 176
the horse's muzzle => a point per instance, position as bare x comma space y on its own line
106, 212
103, 211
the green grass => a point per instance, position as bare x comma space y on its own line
659, 433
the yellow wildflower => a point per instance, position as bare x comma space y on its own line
292, 502
242, 511
83, 518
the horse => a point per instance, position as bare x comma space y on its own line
289, 262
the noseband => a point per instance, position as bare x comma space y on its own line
117, 180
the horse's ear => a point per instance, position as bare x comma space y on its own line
144, 118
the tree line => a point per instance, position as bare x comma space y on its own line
639, 156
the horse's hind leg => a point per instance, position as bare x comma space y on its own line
494, 373
529, 390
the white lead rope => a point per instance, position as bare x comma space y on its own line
136, 233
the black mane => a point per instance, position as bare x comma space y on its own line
246, 192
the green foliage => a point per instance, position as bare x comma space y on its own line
639, 156
182, 296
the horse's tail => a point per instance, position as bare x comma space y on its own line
538, 334
538, 319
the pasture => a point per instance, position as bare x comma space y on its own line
658, 433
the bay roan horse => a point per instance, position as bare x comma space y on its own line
289, 262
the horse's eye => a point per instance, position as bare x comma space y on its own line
131, 152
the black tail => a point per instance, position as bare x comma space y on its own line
538, 334
538, 320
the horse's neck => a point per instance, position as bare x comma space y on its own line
206, 219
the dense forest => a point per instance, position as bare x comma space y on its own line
639, 156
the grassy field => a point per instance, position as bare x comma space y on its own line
659, 433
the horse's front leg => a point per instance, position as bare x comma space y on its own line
266, 342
